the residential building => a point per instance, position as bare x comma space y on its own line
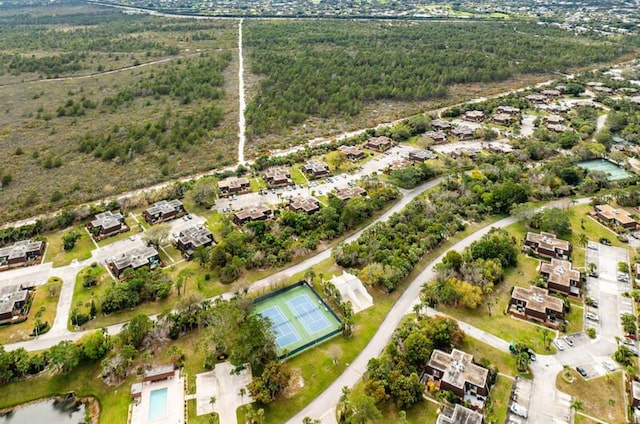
498, 147
551, 93
352, 153
509, 110
441, 125
462, 133
561, 277
534, 303
502, 119
191, 238
438, 137
21, 253
164, 210
468, 151
347, 193
559, 128
316, 169
635, 394
277, 176
536, 98
473, 116
459, 415
257, 213
615, 217
234, 185
134, 259
398, 164
379, 144
422, 155
457, 373
107, 224
12, 300
308, 205
554, 119
548, 245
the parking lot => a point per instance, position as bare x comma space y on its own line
520, 396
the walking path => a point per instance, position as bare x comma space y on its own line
243, 106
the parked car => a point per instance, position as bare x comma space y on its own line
519, 410
592, 317
558, 344
628, 341
605, 241
633, 350
569, 341
591, 302
631, 336
609, 365
532, 355
582, 372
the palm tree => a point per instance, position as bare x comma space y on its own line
183, 275
242, 392
583, 239
577, 405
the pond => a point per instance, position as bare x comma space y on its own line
614, 172
47, 411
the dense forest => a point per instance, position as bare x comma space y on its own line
347, 64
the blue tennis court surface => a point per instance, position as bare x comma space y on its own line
309, 314
299, 318
284, 332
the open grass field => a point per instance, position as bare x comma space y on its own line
595, 395
500, 398
152, 95
60, 257
45, 299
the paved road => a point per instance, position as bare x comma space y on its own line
323, 406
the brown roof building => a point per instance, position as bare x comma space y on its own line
551, 93
21, 253
379, 144
309, 205
258, 213
615, 217
457, 373
422, 155
462, 133
134, 259
561, 277
534, 303
459, 415
439, 124
438, 137
548, 245
234, 185
12, 299
559, 128
536, 98
192, 238
352, 153
316, 169
473, 115
107, 224
554, 119
164, 210
509, 110
347, 193
276, 177
502, 119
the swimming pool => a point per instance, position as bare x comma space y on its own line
158, 404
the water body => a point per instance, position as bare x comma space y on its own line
47, 411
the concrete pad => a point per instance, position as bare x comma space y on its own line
225, 386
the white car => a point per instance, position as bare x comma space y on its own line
519, 410
609, 365
591, 316
558, 344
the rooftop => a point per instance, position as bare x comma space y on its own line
459, 415
233, 183
307, 204
548, 241
135, 258
350, 192
20, 249
257, 212
107, 220
458, 368
197, 236
537, 299
610, 213
164, 207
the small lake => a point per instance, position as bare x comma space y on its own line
47, 411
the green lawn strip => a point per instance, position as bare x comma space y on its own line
504, 362
41, 299
134, 229
256, 184
581, 419
297, 176
575, 319
56, 254
595, 394
499, 397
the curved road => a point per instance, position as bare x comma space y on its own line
59, 331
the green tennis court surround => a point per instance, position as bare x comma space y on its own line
299, 317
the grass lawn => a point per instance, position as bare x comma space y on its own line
134, 229
581, 419
505, 362
595, 394
56, 254
297, 176
256, 184
41, 299
499, 323
497, 409
575, 318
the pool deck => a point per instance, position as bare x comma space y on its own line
175, 401
225, 386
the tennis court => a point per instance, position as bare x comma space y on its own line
299, 317
613, 171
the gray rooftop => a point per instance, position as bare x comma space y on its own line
135, 258
164, 207
107, 220
195, 236
20, 249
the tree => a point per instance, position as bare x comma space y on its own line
418, 349
183, 275
623, 355
552, 220
335, 159
309, 420
522, 361
64, 356
583, 239
135, 331
204, 192
157, 235
577, 404
96, 345
70, 239
497, 244
273, 380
